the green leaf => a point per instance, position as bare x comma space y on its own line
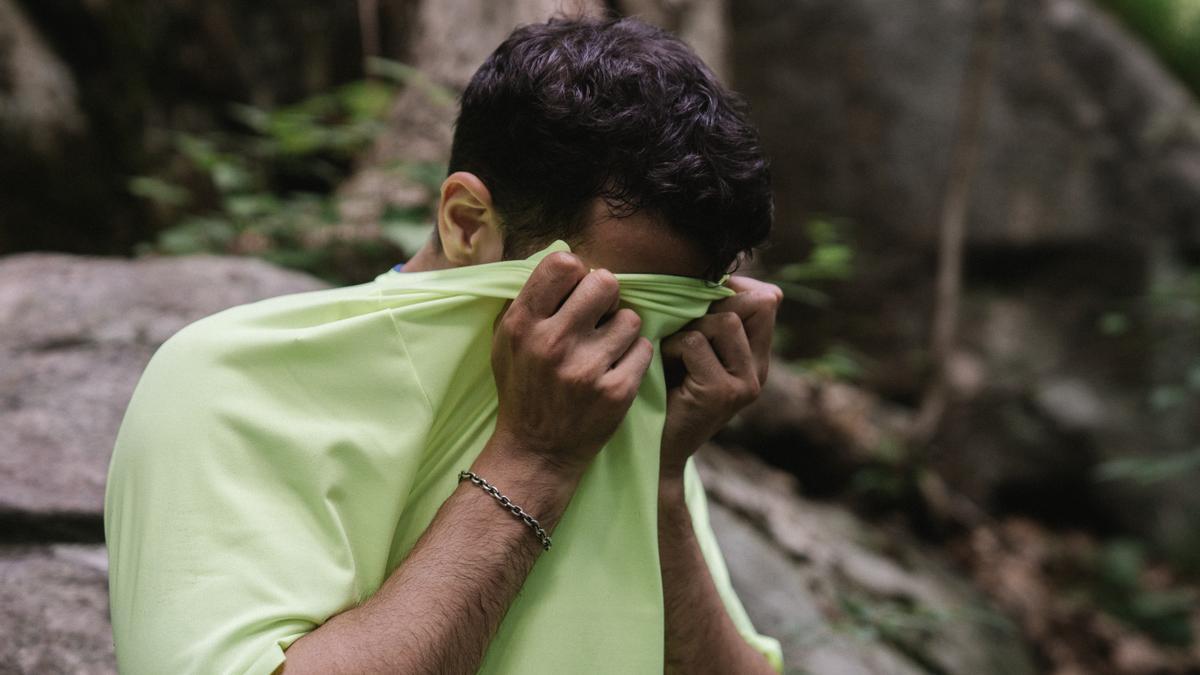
255, 205
229, 175
407, 75
197, 235
200, 151
1166, 397
1149, 470
1114, 323
159, 191
1193, 377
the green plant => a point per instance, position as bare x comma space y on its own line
1172, 29
268, 189
838, 362
831, 259
1116, 585
1147, 471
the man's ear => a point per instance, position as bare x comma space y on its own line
468, 225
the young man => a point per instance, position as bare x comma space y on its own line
288, 471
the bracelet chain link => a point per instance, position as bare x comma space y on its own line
507, 503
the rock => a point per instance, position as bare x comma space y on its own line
1024, 568
1072, 152
819, 429
843, 596
75, 334
1071, 404
1085, 213
55, 617
38, 98
703, 24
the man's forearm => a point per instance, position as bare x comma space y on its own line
700, 635
440, 608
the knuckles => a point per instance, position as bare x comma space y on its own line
749, 392
727, 321
549, 346
575, 376
563, 263
606, 283
615, 393
692, 339
736, 394
768, 295
628, 318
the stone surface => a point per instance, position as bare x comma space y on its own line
843, 596
75, 334
38, 98
819, 429
1085, 130
55, 618
1084, 215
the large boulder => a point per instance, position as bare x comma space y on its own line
38, 98
843, 596
75, 334
55, 617
1085, 132
1082, 228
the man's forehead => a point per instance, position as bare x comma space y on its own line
638, 243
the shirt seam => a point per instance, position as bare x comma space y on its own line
404, 345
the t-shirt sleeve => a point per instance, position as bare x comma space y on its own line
697, 502
253, 493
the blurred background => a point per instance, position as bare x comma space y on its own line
979, 451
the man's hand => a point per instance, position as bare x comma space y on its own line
567, 362
716, 365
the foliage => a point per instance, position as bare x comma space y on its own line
1117, 586
1171, 27
1147, 471
838, 362
831, 259
1171, 308
268, 189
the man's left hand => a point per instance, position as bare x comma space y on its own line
716, 365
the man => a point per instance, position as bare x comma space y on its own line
287, 475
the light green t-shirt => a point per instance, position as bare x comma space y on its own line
279, 459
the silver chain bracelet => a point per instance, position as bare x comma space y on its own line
507, 503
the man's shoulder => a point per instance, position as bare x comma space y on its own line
296, 331
278, 315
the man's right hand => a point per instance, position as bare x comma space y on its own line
568, 363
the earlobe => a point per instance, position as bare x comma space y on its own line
467, 222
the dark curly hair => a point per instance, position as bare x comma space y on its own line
572, 109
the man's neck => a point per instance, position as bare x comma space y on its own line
426, 259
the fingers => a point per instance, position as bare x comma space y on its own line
616, 334
626, 375
756, 303
597, 295
551, 281
728, 337
693, 348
